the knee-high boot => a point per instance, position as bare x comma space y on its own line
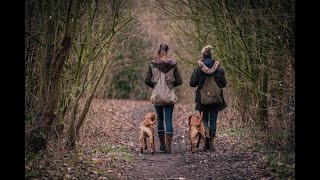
207, 134
169, 137
162, 140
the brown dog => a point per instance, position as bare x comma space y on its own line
196, 128
147, 130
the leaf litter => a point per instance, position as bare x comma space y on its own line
108, 148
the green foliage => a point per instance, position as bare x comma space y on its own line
254, 42
279, 159
130, 56
280, 156
283, 164
117, 151
33, 156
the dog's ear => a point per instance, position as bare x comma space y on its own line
147, 122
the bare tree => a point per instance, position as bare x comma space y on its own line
51, 70
253, 40
94, 59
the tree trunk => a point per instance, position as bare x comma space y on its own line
263, 103
76, 123
75, 127
38, 137
53, 66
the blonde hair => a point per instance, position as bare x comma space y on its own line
206, 51
207, 48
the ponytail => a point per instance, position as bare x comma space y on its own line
163, 50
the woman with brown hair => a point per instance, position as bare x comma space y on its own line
165, 64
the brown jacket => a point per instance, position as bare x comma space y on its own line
163, 67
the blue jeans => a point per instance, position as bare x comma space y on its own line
210, 117
165, 115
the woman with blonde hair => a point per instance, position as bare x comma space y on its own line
207, 66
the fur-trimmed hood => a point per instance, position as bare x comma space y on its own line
164, 66
206, 69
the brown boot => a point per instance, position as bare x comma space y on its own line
212, 137
162, 140
168, 143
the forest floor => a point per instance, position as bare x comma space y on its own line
108, 148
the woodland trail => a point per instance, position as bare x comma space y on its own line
109, 148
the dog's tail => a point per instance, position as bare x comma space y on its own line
201, 118
201, 115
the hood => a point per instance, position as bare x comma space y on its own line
208, 66
164, 66
208, 62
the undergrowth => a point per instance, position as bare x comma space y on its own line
278, 150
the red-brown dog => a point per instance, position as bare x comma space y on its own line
147, 130
196, 128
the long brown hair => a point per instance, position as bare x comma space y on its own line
163, 50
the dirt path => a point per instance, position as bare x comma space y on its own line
224, 163
108, 148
